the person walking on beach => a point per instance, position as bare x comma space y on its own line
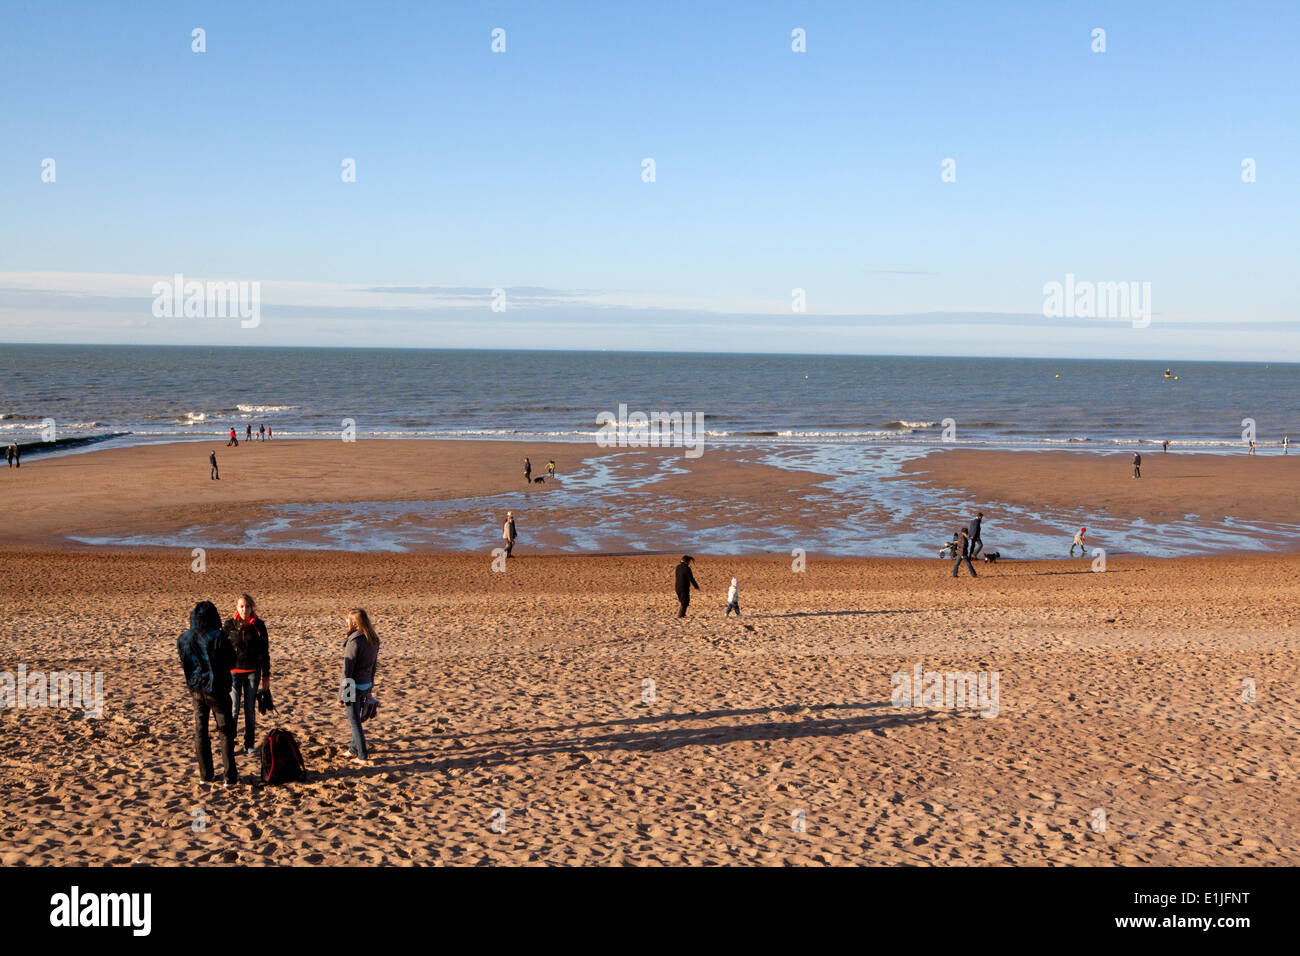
508, 533
528, 470
206, 657
685, 580
963, 554
247, 634
733, 599
550, 468
212, 472
261, 432
1137, 465
1286, 443
360, 657
976, 543
1166, 444
1252, 447
268, 434
9, 452
1078, 543
233, 440
248, 433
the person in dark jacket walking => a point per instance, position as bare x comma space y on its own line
976, 543
360, 658
1137, 465
212, 472
963, 553
206, 657
685, 581
15, 455
528, 470
247, 634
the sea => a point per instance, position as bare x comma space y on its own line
123, 395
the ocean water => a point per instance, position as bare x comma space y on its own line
158, 393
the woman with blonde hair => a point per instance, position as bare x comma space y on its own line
360, 656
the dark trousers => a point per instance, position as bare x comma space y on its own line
684, 599
1137, 471
214, 473
976, 546
960, 559
243, 687
733, 606
219, 706
510, 546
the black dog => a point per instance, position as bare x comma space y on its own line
538, 480
992, 556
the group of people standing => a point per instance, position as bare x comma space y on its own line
224, 663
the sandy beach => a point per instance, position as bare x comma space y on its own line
558, 712
519, 701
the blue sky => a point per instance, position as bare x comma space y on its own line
775, 170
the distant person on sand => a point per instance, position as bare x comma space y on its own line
360, 658
261, 432
976, 542
1078, 543
1137, 465
268, 434
1252, 447
508, 533
9, 452
233, 440
733, 599
550, 468
1286, 443
213, 473
528, 470
247, 634
1166, 444
248, 433
206, 657
683, 584
963, 554
15, 455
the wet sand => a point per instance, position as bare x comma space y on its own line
520, 700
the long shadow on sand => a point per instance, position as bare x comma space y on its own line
659, 739
829, 613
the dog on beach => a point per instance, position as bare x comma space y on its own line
539, 479
992, 556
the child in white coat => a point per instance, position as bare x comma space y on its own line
733, 599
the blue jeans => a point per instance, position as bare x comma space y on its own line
244, 686
733, 606
969, 566
354, 721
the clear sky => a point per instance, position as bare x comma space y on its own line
774, 170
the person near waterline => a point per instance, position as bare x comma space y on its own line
233, 440
1286, 443
976, 542
206, 658
247, 634
248, 433
360, 658
1137, 465
1166, 444
963, 554
550, 468
1252, 447
11, 453
685, 580
1078, 543
261, 432
212, 472
528, 470
733, 599
508, 533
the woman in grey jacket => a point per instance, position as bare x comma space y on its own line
360, 655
